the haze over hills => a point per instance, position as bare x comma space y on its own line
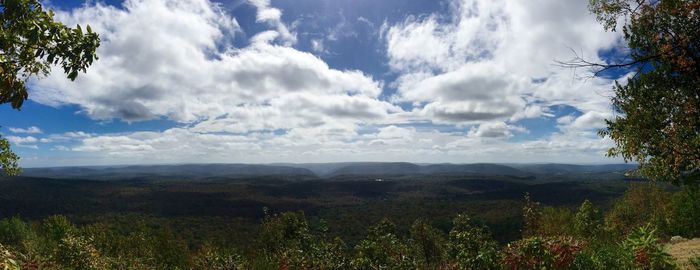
184, 170
319, 170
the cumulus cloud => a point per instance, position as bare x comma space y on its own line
22, 140
493, 60
29, 130
475, 71
273, 17
591, 120
173, 59
496, 130
332, 143
475, 92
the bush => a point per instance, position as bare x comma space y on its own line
7, 260
78, 253
429, 242
685, 212
642, 203
556, 221
646, 251
604, 257
383, 249
542, 253
695, 262
282, 232
212, 258
14, 231
532, 215
57, 227
288, 243
588, 221
331, 255
471, 245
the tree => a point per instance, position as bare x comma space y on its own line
31, 42
642, 204
383, 249
532, 216
588, 220
471, 245
8, 159
429, 242
658, 109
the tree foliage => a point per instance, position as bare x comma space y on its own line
685, 212
658, 109
588, 220
8, 159
472, 246
31, 42
429, 242
644, 246
532, 216
642, 204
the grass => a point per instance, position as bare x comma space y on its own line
683, 251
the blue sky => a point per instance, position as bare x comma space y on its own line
258, 81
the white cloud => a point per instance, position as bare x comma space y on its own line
27, 141
591, 120
495, 130
494, 60
475, 92
329, 143
273, 17
317, 45
29, 130
185, 69
22, 140
476, 70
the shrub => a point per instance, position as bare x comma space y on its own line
57, 227
556, 221
685, 212
642, 203
212, 258
7, 260
13, 231
283, 232
471, 245
331, 255
287, 241
531, 217
604, 257
383, 249
78, 253
588, 221
429, 242
168, 251
694, 262
542, 253
646, 250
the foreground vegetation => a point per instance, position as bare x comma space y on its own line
629, 235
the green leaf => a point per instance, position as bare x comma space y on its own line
72, 75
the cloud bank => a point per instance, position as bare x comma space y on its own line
463, 81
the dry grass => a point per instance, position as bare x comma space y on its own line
683, 251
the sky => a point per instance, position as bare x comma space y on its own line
267, 81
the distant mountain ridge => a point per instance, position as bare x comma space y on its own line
398, 168
553, 168
322, 170
185, 170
